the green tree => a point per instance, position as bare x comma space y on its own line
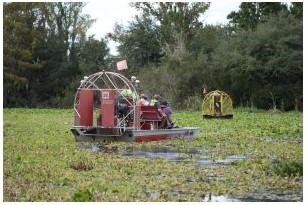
139, 43
257, 58
66, 26
296, 9
93, 55
279, 51
42, 43
23, 39
263, 67
178, 21
250, 14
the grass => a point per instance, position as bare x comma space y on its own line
42, 161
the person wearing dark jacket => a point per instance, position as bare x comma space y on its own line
167, 110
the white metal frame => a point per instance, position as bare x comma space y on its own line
109, 80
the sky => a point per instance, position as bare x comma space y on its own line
107, 13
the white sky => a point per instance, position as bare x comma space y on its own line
107, 13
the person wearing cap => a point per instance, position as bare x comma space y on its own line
167, 110
143, 101
155, 101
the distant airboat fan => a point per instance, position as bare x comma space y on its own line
217, 104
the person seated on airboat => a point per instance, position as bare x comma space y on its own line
164, 110
143, 101
156, 100
167, 110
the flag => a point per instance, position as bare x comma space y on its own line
121, 65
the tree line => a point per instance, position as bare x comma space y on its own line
46, 52
257, 57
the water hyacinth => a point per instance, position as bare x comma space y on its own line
257, 153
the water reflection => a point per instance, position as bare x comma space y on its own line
268, 195
221, 198
193, 155
155, 154
205, 160
265, 195
97, 148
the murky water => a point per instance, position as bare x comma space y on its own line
221, 198
205, 160
265, 195
96, 148
268, 195
152, 194
193, 155
162, 153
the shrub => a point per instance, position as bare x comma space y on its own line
288, 168
82, 165
83, 195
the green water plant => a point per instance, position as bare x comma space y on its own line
43, 162
288, 168
83, 195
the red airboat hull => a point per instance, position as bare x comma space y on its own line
104, 135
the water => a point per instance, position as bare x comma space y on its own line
96, 148
268, 195
205, 160
264, 195
193, 155
152, 194
221, 198
166, 154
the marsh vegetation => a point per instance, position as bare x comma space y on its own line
257, 156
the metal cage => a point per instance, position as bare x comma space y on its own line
102, 81
217, 104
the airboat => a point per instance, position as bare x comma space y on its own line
217, 104
106, 109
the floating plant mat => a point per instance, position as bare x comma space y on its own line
257, 156
206, 158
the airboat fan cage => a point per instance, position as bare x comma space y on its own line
98, 89
217, 104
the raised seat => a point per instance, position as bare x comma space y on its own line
151, 117
150, 113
